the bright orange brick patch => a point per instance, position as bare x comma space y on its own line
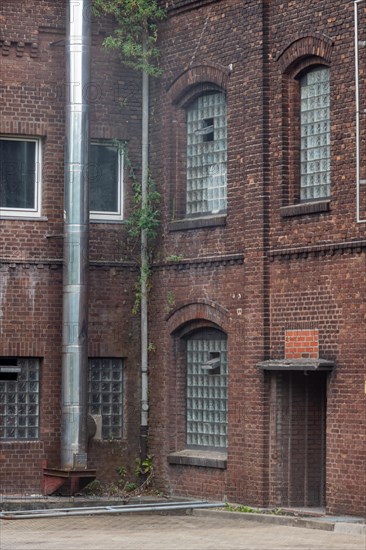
300, 344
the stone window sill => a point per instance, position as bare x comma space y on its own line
24, 218
183, 5
197, 223
197, 457
305, 208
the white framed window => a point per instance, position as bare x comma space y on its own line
20, 176
106, 395
206, 155
315, 134
19, 398
106, 182
206, 399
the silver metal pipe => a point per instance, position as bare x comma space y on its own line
358, 156
76, 238
139, 505
144, 263
110, 510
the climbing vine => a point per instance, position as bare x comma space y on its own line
134, 37
136, 23
144, 216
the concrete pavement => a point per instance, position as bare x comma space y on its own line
170, 532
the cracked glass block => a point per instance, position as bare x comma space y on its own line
96, 398
10, 420
206, 155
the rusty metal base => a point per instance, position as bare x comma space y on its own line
67, 482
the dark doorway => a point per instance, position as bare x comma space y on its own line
297, 438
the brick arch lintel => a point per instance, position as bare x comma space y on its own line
198, 310
195, 75
12, 126
310, 45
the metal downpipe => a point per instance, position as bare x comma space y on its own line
144, 265
76, 238
358, 113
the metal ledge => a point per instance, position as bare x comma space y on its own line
69, 481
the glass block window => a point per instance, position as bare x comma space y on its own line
315, 134
106, 182
207, 390
20, 177
206, 155
19, 401
106, 394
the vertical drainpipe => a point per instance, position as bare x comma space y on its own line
76, 237
358, 112
144, 264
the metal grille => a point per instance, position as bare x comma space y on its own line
106, 394
315, 134
19, 402
206, 154
206, 394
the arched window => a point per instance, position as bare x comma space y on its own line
314, 134
206, 155
206, 387
306, 139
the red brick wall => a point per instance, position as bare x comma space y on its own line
301, 344
327, 293
303, 269
269, 267
32, 90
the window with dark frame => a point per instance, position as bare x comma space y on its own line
19, 398
206, 387
20, 176
106, 394
206, 155
106, 182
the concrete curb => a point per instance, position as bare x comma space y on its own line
325, 524
349, 526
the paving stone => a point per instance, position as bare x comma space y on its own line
160, 532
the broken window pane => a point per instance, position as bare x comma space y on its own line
102, 393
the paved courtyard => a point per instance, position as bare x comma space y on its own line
158, 532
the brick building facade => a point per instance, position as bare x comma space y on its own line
257, 307
33, 94
277, 270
